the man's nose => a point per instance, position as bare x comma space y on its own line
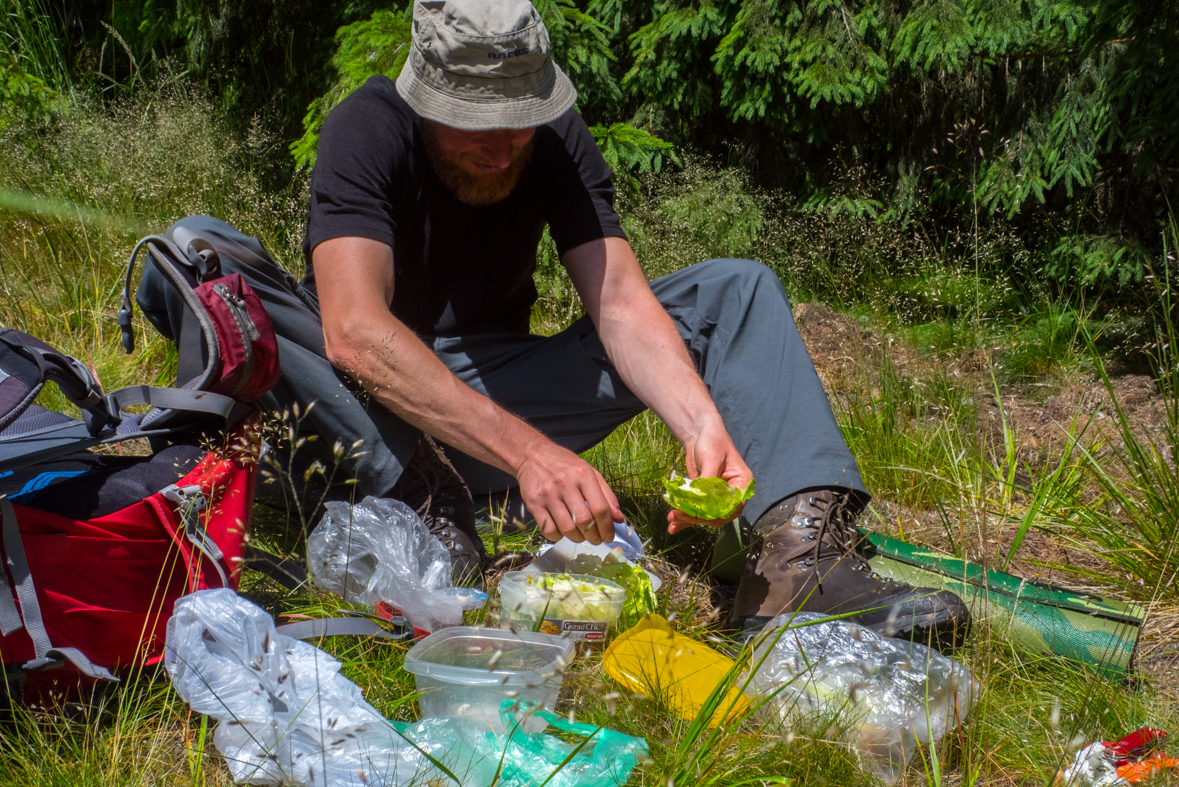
498, 151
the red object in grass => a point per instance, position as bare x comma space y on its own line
1136, 745
387, 611
1138, 772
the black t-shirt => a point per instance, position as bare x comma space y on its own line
458, 269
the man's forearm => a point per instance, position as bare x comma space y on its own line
645, 347
364, 339
640, 338
405, 376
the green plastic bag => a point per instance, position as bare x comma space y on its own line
522, 759
1040, 617
705, 498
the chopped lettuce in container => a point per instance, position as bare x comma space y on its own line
640, 592
705, 498
580, 606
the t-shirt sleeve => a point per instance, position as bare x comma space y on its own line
358, 161
582, 198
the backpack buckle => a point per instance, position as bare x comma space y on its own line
190, 502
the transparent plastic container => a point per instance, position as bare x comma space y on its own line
577, 606
467, 672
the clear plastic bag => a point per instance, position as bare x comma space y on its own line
840, 679
286, 714
379, 550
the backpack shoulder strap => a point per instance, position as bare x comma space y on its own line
315, 628
26, 363
67, 436
183, 270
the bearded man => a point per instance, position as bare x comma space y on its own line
428, 201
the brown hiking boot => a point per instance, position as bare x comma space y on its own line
433, 488
804, 558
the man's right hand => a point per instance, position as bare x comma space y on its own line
355, 280
566, 496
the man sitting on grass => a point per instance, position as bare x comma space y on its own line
428, 201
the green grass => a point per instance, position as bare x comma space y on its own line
1134, 517
125, 170
74, 195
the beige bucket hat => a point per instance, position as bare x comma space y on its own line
483, 64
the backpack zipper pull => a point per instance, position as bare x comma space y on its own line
240, 313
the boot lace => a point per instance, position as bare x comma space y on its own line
835, 537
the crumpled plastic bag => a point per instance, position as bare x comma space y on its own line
286, 714
379, 550
1093, 766
839, 679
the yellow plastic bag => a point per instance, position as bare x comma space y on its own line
654, 660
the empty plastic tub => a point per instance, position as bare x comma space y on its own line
578, 606
467, 671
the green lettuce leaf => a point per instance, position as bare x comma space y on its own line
705, 498
640, 599
640, 596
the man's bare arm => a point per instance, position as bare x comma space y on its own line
645, 347
354, 278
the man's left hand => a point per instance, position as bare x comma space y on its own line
712, 455
650, 356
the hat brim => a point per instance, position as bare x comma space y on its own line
491, 112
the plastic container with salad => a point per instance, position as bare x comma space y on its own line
577, 606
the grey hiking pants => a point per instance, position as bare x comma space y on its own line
733, 315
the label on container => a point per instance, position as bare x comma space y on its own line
577, 629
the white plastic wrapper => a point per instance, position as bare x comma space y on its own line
568, 557
1093, 766
881, 695
379, 550
286, 715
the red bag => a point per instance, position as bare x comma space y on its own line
88, 599
248, 348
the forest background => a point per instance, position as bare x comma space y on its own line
1052, 117
970, 202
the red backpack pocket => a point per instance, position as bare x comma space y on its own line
245, 336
